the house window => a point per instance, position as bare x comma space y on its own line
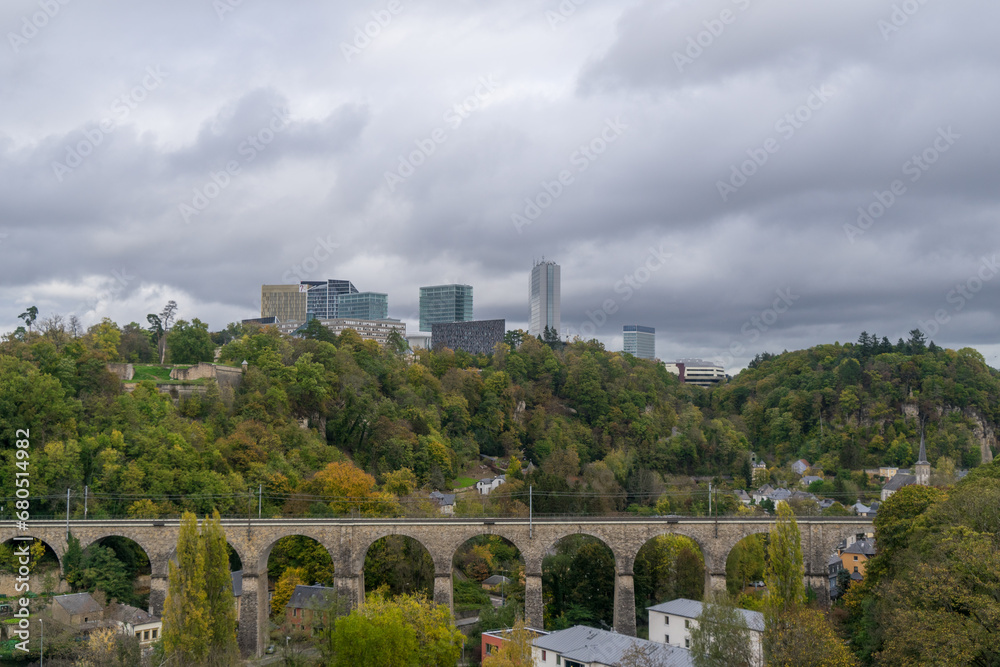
153, 635
666, 620
666, 639
855, 558
558, 659
687, 643
687, 623
543, 656
855, 568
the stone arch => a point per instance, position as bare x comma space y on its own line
59, 553
553, 536
441, 557
617, 575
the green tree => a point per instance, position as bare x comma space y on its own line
190, 343
721, 637
219, 592
785, 588
199, 617
29, 316
187, 628
385, 639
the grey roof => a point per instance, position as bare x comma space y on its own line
129, 614
590, 645
311, 597
443, 498
826, 502
692, 609
835, 560
495, 580
898, 481
78, 603
780, 494
809, 479
866, 547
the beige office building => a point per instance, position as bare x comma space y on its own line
285, 302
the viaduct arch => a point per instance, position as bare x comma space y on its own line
348, 541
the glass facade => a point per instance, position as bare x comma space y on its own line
640, 341
363, 305
323, 296
543, 298
445, 303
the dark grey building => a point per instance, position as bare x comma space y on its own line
475, 337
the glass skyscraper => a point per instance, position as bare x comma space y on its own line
543, 298
332, 299
640, 341
445, 303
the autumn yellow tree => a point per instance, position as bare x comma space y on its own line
283, 590
516, 649
347, 488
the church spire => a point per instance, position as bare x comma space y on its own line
923, 448
923, 468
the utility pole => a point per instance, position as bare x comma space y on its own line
86, 492
531, 532
67, 514
709, 499
260, 499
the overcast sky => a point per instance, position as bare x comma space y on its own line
693, 166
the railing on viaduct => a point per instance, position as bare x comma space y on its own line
348, 541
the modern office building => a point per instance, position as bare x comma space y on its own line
324, 296
697, 372
640, 341
284, 302
543, 298
445, 303
476, 337
325, 299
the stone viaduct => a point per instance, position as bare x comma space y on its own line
348, 540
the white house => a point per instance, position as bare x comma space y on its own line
672, 622
799, 467
581, 646
136, 622
485, 485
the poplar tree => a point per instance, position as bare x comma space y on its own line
223, 649
186, 623
785, 588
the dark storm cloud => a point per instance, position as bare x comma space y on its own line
408, 147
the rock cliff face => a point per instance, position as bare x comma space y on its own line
982, 430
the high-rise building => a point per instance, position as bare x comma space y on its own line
285, 302
445, 303
543, 298
324, 296
363, 305
640, 341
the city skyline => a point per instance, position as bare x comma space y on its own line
742, 176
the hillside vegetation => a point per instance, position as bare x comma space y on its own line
338, 416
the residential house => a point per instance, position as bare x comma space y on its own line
887, 472
799, 467
444, 501
78, 610
833, 568
485, 485
135, 622
493, 640
856, 556
496, 582
307, 608
672, 622
763, 493
581, 646
809, 479
826, 503
779, 496
742, 496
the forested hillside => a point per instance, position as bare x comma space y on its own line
576, 418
